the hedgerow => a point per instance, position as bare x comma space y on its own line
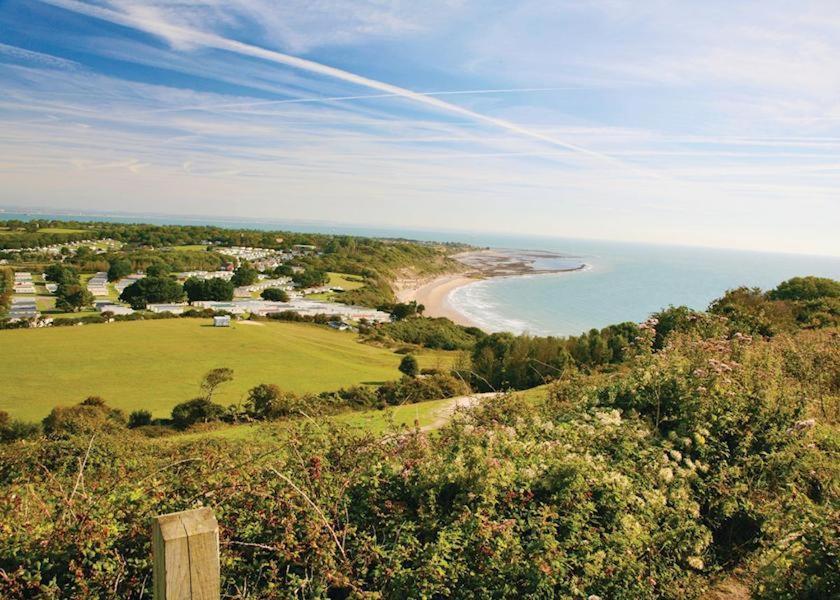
644, 483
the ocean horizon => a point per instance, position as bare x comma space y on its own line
622, 281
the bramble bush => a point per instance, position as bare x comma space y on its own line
642, 483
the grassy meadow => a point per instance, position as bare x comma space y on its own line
158, 364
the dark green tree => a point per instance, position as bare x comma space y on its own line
118, 269
72, 297
244, 275
409, 366
275, 295
214, 289
152, 290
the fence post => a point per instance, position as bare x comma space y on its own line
185, 551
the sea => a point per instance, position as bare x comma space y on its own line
621, 281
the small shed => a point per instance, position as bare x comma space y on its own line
223, 321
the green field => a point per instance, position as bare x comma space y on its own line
157, 364
189, 248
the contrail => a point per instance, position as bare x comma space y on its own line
174, 32
317, 99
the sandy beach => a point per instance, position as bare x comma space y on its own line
433, 294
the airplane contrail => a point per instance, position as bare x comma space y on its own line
317, 99
210, 40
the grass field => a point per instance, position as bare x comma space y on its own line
157, 364
342, 280
189, 248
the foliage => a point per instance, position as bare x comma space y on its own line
150, 290
244, 275
404, 310
139, 418
14, 429
310, 277
268, 402
86, 418
409, 366
72, 297
61, 274
7, 282
806, 288
440, 333
214, 378
119, 268
216, 289
503, 361
197, 410
275, 295
637, 484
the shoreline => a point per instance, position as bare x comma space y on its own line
434, 292
434, 295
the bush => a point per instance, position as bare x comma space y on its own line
198, 410
214, 289
439, 333
12, 430
139, 418
806, 288
151, 290
86, 418
409, 366
267, 401
275, 295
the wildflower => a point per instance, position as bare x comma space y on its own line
696, 563
666, 474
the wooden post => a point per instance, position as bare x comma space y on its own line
185, 550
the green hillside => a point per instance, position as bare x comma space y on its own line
157, 364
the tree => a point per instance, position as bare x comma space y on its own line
61, 274
157, 269
119, 269
87, 417
244, 275
72, 297
402, 310
215, 289
275, 295
806, 288
409, 366
151, 290
310, 278
197, 410
267, 401
139, 418
213, 379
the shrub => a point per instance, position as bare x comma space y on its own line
438, 333
139, 418
197, 410
275, 295
86, 418
12, 429
409, 366
214, 289
267, 401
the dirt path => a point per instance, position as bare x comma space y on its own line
444, 414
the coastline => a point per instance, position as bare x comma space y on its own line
434, 295
434, 292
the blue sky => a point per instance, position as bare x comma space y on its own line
709, 123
